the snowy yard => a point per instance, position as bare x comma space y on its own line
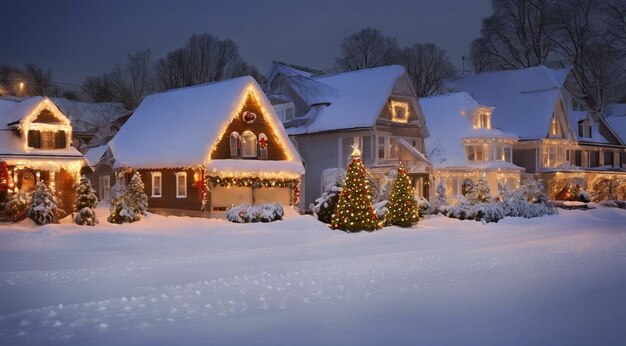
167, 280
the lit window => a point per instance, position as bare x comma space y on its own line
156, 184
482, 121
503, 153
47, 140
399, 111
477, 152
248, 144
263, 146
554, 127
181, 184
234, 144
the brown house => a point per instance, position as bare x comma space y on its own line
202, 149
35, 145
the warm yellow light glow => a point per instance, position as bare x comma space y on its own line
27, 124
399, 111
256, 174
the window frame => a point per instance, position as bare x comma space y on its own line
153, 175
251, 146
263, 153
236, 140
184, 175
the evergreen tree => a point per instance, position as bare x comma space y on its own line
120, 211
86, 201
137, 199
403, 208
480, 192
355, 211
440, 204
43, 207
326, 206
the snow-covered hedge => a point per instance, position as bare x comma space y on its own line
490, 211
16, 207
245, 213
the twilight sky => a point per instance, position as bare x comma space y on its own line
78, 38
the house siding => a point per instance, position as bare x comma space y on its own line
526, 158
168, 199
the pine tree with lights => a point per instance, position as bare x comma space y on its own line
480, 192
403, 209
355, 211
86, 201
43, 208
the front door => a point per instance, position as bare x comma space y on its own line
104, 188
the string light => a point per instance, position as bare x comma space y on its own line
26, 123
398, 105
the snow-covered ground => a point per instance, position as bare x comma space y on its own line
556, 280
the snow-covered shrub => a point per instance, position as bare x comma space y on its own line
440, 204
43, 208
534, 191
480, 192
461, 210
137, 198
86, 201
423, 206
382, 191
120, 210
16, 208
325, 206
528, 201
487, 211
245, 213
380, 209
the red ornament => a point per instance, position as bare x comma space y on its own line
263, 142
248, 117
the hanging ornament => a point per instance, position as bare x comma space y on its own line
262, 142
248, 117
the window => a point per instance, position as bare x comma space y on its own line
248, 144
47, 140
156, 184
482, 121
477, 152
503, 153
452, 186
554, 127
399, 111
381, 147
554, 156
263, 146
289, 112
235, 145
387, 148
181, 184
584, 129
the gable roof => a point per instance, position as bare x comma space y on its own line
180, 127
355, 99
524, 100
448, 121
94, 155
14, 112
616, 119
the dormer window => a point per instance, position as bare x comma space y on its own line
399, 111
584, 129
554, 127
482, 120
235, 144
45, 139
285, 111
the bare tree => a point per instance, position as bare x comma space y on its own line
127, 83
580, 37
205, 58
428, 67
38, 80
367, 48
482, 60
515, 35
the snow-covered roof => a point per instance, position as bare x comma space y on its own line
524, 100
448, 118
356, 100
616, 119
87, 116
95, 155
596, 137
255, 169
14, 111
285, 69
178, 128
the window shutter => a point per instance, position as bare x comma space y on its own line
62, 142
30, 138
37, 139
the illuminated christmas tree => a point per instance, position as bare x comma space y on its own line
403, 208
86, 202
354, 209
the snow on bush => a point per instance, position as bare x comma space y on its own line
245, 213
86, 202
423, 206
440, 204
325, 206
43, 208
137, 199
380, 209
16, 208
120, 211
528, 201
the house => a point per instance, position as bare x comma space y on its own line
100, 170
560, 146
223, 135
36, 145
463, 146
376, 109
615, 117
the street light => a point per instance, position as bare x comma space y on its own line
22, 89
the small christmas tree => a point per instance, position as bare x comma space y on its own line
354, 210
120, 211
43, 207
86, 201
480, 192
137, 199
440, 204
403, 209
